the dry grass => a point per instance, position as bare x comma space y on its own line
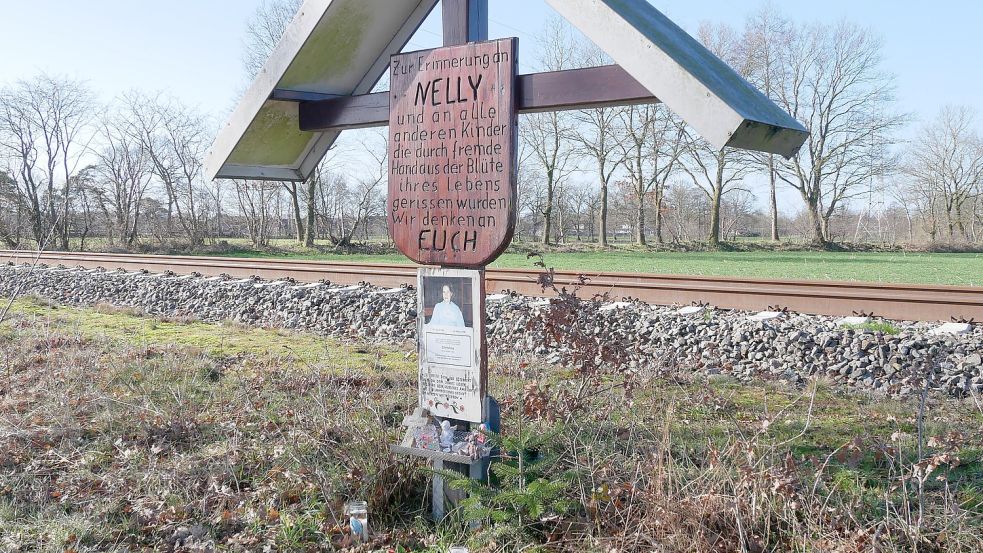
131, 440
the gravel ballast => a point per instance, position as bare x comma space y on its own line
791, 347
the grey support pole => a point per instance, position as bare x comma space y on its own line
438, 499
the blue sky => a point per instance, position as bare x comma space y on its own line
191, 48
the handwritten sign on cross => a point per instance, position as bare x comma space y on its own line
452, 153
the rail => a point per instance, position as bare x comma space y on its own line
913, 302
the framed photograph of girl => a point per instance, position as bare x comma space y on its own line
450, 304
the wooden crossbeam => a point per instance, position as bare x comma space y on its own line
465, 21
607, 85
536, 92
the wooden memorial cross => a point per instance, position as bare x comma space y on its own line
452, 114
453, 134
451, 204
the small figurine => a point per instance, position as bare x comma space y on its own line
446, 436
471, 447
481, 438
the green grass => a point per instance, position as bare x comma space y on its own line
965, 269
220, 341
117, 429
883, 327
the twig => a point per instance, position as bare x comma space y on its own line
929, 365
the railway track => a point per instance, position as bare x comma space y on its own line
893, 301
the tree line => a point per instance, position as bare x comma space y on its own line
129, 172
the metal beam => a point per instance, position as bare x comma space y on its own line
464, 21
558, 90
709, 95
261, 138
301, 96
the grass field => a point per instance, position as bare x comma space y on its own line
965, 269
120, 432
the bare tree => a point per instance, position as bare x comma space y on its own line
685, 208
21, 140
264, 30
831, 79
737, 214
906, 200
582, 201
599, 140
294, 190
530, 197
256, 200
84, 198
946, 167
313, 183
763, 35
548, 137
44, 131
10, 209
977, 224
715, 170
122, 175
334, 197
216, 193
73, 106
175, 138
365, 196
599, 134
651, 149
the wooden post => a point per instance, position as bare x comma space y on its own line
464, 21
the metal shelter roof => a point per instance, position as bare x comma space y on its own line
338, 48
331, 48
